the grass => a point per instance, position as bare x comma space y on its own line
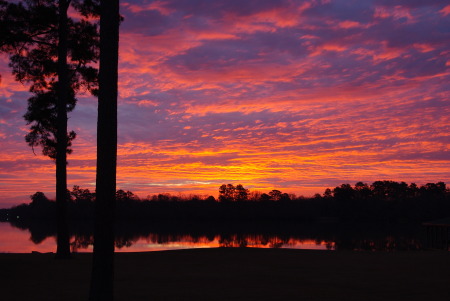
235, 274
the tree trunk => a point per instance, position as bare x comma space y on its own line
63, 238
103, 257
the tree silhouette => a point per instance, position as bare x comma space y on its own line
39, 198
230, 193
275, 195
362, 191
241, 194
226, 192
103, 257
80, 195
33, 33
63, 244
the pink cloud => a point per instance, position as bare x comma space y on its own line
349, 24
397, 12
445, 11
160, 6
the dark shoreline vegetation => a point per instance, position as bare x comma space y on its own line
382, 201
383, 216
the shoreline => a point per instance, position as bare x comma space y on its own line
235, 274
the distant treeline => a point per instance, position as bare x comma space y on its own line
386, 201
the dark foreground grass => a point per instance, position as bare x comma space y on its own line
235, 274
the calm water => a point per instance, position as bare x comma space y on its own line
15, 240
141, 238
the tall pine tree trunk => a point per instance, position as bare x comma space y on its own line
103, 258
63, 238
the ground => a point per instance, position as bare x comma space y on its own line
236, 274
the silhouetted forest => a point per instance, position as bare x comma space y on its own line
382, 201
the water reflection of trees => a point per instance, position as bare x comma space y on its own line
81, 242
371, 237
264, 241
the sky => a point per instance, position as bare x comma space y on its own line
272, 94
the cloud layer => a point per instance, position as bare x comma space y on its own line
293, 95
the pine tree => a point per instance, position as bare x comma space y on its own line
103, 257
52, 53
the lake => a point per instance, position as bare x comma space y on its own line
131, 237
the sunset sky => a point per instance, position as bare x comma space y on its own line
290, 95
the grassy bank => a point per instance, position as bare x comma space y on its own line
236, 274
